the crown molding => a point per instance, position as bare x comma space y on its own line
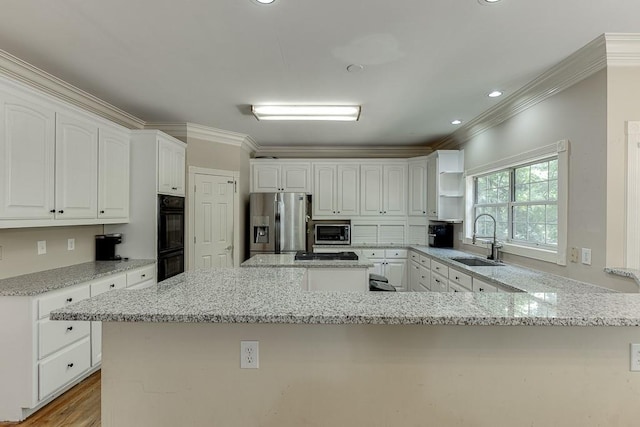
334, 152
623, 49
185, 130
31, 76
576, 67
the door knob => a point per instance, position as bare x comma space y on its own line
228, 248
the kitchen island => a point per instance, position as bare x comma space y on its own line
172, 355
321, 275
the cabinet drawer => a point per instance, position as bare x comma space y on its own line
116, 281
425, 262
480, 286
438, 283
140, 275
395, 253
422, 287
439, 268
454, 287
61, 298
414, 256
53, 335
63, 367
460, 278
143, 285
373, 253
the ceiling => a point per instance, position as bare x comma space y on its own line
426, 62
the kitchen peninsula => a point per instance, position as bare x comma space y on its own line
171, 354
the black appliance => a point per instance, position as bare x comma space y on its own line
170, 236
333, 233
325, 256
441, 235
106, 246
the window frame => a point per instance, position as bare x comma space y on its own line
548, 253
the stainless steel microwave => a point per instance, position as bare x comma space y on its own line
332, 234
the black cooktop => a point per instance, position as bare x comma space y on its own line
328, 256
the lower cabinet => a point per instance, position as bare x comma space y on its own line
391, 263
47, 357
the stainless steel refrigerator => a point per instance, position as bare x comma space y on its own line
278, 222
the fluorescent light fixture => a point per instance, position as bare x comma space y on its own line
456, 122
344, 113
494, 94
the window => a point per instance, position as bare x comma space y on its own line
524, 202
528, 195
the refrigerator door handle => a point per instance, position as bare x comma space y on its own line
278, 238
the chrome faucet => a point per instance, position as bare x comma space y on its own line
495, 245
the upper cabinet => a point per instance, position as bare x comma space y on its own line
445, 192
171, 166
336, 190
278, 176
383, 189
56, 168
418, 187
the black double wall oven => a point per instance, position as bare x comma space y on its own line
170, 236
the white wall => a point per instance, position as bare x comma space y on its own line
368, 375
578, 114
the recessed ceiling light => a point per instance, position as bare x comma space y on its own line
264, 1
487, 2
456, 122
494, 94
354, 68
343, 113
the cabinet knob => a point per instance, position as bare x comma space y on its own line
69, 299
70, 328
143, 275
101, 212
385, 212
338, 211
113, 285
174, 188
60, 211
481, 289
457, 278
70, 365
334, 211
424, 212
52, 211
380, 211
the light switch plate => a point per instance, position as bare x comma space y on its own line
42, 247
635, 357
586, 256
71, 244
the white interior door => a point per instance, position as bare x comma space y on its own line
213, 221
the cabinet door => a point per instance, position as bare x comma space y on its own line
296, 178
27, 144
396, 272
113, 174
395, 190
418, 188
414, 276
348, 190
76, 167
432, 184
165, 167
324, 186
179, 159
266, 178
371, 190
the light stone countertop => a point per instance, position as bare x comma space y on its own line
287, 260
59, 278
274, 295
624, 272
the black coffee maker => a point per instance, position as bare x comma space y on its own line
106, 247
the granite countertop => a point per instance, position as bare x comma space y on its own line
624, 272
274, 295
58, 278
287, 260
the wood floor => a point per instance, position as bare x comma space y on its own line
78, 407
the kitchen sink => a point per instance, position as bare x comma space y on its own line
477, 262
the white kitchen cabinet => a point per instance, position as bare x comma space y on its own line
391, 263
383, 189
482, 286
171, 166
459, 279
439, 283
417, 187
336, 190
52, 173
113, 174
27, 158
274, 176
420, 273
76, 167
445, 185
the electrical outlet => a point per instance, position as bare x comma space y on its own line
71, 244
249, 355
635, 357
574, 255
42, 247
586, 256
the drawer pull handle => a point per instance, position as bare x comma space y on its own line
481, 289
113, 285
61, 211
69, 299
70, 365
70, 328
